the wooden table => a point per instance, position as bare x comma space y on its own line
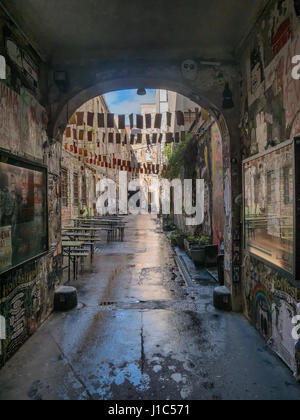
90, 229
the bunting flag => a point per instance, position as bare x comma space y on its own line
158, 121
148, 118
180, 118
121, 122
80, 118
101, 122
131, 121
139, 122
90, 119
110, 120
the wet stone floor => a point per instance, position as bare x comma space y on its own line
140, 333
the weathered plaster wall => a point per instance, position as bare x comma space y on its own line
270, 115
209, 167
26, 293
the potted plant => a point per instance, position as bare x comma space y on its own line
173, 238
177, 239
198, 251
211, 255
188, 243
180, 239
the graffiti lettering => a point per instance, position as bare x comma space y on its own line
296, 69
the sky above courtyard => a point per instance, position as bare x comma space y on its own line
128, 102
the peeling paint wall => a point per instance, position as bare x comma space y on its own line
270, 116
209, 168
26, 292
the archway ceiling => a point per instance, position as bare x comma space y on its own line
65, 30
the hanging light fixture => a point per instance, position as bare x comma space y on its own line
141, 92
227, 95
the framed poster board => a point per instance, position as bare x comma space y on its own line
23, 211
269, 206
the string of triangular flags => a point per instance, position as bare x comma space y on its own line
146, 121
119, 164
132, 139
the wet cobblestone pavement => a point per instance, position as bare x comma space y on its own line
140, 333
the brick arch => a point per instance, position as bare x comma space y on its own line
207, 95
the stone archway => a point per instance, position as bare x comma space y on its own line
207, 91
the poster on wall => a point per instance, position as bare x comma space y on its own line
23, 212
5, 248
269, 207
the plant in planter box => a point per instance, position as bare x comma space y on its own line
173, 238
203, 241
177, 239
198, 251
180, 239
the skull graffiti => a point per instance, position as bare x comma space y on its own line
189, 70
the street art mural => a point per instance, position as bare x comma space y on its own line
217, 187
270, 117
23, 123
23, 212
26, 292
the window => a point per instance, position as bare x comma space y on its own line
64, 187
23, 211
75, 191
163, 95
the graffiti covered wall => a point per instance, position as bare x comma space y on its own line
26, 292
270, 116
218, 215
